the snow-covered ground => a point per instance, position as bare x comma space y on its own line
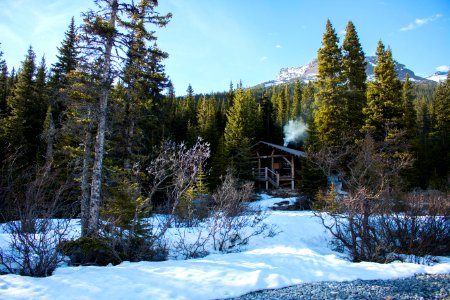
299, 253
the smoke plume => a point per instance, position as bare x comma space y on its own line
294, 131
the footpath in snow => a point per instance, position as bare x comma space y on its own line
300, 253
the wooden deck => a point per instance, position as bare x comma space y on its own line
273, 178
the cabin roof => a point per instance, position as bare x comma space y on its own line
294, 152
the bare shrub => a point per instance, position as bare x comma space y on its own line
34, 232
232, 223
421, 228
192, 242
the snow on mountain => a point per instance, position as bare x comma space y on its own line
439, 76
309, 72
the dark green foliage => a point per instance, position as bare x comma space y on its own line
3, 86
384, 110
243, 122
354, 72
27, 106
329, 118
89, 251
441, 134
296, 111
409, 113
308, 105
102, 251
67, 57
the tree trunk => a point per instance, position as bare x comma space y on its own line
96, 186
50, 141
85, 190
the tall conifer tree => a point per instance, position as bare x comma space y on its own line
441, 111
103, 31
409, 112
3, 85
354, 72
384, 109
296, 110
25, 124
243, 122
329, 117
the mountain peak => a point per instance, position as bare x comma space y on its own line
309, 72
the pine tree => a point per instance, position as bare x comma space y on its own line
287, 104
441, 112
190, 105
308, 103
3, 85
42, 101
424, 161
441, 107
25, 123
409, 115
329, 117
103, 31
281, 107
243, 121
268, 134
67, 57
296, 111
384, 109
312, 178
206, 120
354, 72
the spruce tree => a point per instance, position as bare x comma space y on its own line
441, 112
67, 57
3, 85
296, 110
243, 121
267, 119
329, 117
354, 72
308, 103
409, 112
206, 120
281, 107
384, 109
189, 104
104, 32
25, 122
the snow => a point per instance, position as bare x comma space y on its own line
300, 253
437, 78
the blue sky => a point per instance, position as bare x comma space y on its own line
213, 42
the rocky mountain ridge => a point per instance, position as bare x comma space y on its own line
309, 72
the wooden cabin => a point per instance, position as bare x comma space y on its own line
275, 164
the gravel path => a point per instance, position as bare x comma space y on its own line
417, 287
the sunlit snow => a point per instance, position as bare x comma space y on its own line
300, 253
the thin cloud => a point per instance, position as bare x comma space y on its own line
278, 46
443, 68
420, 22
264, 58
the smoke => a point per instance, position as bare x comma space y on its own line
294, 131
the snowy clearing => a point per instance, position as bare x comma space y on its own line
300, 253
